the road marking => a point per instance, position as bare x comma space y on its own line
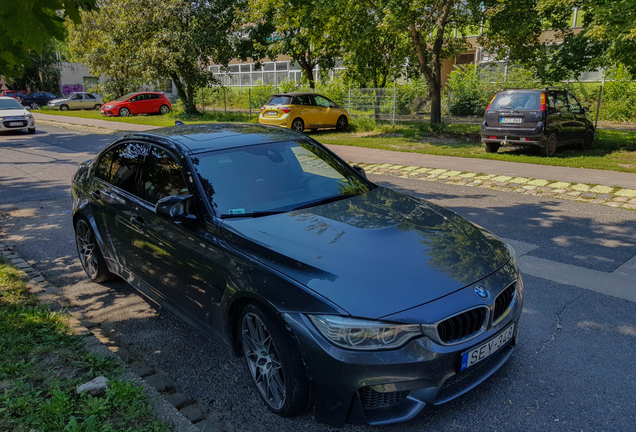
620, 283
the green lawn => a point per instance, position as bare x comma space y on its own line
613, 150
42, 364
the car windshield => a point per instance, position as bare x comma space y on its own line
516, 101
124, 97
9, 104
275, 177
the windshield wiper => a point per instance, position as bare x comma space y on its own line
252, 214
324, 201
509, 107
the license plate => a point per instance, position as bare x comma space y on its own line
16, 124
483, 351
513, 120
272, 113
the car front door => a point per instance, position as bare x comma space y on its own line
76, 101
171, 252
579, 120
136, 104
328, 116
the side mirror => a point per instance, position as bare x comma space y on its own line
28, 108
360, 171
173, 207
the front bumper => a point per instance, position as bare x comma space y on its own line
24, 123
384, 387
54, 106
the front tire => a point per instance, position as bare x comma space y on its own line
64, 108
550, 149
491, 147
588, 140
165, 109
342, 124
298, 125
274, 362
89, 253
124, 112
31, 130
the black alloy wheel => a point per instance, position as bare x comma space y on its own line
165, 109
124, 112
64, 108
342, 124
274, 362
298, 125
491, 147
588, 140
550, 149
89, 253
34, 105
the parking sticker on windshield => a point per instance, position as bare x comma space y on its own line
237, 211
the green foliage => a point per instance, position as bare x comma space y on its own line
362, 124
27, 26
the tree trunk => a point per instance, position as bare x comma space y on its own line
308, 68
182, 91
435, 92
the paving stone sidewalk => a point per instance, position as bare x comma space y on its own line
591, 193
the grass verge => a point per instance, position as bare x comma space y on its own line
42, 364
613, 150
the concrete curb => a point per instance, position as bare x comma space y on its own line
581, 192
180, 420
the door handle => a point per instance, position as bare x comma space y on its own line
138, 220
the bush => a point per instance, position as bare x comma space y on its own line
362, 124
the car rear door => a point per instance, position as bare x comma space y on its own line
89, 101
579, 119
172, 253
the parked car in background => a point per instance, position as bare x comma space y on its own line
15, 94
300, 111
79, 100
36, 100
546, 118
138, 103
13, 116
360, 301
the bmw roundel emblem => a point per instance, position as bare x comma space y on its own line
481, 292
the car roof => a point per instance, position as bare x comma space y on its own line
295, 94
199, 138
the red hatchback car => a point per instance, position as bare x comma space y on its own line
138, 103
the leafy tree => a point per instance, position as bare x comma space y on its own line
157, 39
27, 26
299, 29
38, 72
436, 30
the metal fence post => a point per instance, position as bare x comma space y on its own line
249, 92
598, 105
394, 101
448, 107
349, 100
224, 100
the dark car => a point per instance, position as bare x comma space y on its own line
138, 103
15, 94
37, 99
546, 118
363, 302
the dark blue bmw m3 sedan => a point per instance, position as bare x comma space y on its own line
361, 302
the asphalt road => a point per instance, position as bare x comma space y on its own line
572, 371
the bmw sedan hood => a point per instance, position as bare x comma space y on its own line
375, 254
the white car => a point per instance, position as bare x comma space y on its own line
14, 116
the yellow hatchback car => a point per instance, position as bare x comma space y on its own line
300, 111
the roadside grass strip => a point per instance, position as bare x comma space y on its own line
589, 193
42, 363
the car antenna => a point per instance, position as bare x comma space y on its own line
179, 123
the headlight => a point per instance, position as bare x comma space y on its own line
108, 107
359, 334
28, 115
513, 254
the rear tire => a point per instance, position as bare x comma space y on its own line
90, 254
550, 149
34, 105
491, 147
274, 362
298, 125
97, 107
588, 140
165, 109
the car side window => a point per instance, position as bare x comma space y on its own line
560, 103
77, 97
302, 100
162, 176
575, 106
126, 166
105, 164
322, 102
89, 96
